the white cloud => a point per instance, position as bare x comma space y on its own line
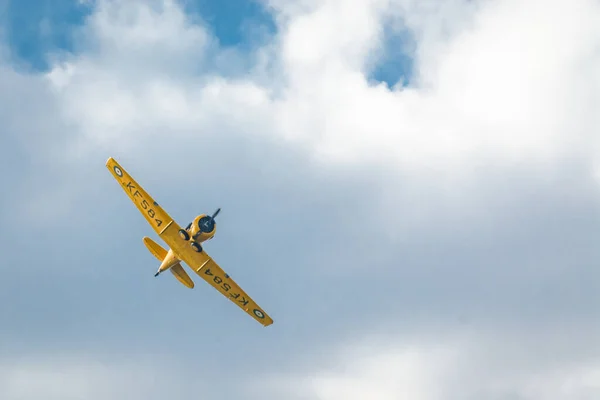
465, 365
502, 84
502, 89
70, 375
77, 377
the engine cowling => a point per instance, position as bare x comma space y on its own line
203, 228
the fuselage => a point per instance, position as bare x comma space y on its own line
201, 229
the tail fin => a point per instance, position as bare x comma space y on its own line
177, 270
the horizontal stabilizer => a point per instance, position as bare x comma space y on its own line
181, 275
177, 270
155, 248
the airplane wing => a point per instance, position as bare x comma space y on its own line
168, 230
220, 280
154, 214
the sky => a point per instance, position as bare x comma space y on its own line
411, 189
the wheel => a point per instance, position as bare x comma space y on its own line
196, 247
184, 235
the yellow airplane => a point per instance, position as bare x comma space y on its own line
185, 245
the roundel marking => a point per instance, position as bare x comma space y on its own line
258, 313
118, 171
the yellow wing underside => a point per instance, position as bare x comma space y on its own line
168, 230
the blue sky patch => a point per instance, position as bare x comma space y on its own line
396, 65
35, 27
239, 23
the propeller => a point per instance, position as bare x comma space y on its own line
207, 223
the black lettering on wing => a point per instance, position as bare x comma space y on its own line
130, 187
243, 301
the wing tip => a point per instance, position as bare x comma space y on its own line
109, 161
